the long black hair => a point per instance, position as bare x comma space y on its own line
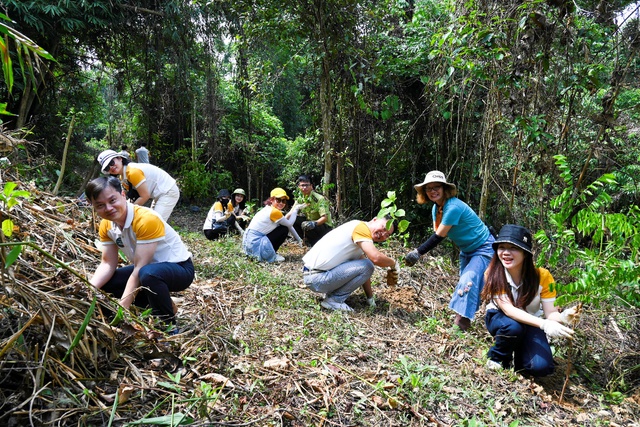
495, 281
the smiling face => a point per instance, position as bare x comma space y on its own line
511, 257
305, 187
111, 205
279, 202
114, 167
379, 231
435, 192
238, 197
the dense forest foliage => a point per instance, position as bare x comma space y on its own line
530, 107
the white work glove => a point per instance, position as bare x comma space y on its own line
371, 302
571, 316
299, 206
556, 329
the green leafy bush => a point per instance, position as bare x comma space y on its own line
602, 247
197, 184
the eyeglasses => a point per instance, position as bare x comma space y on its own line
304, 185
280, 200
433, 188
111, 163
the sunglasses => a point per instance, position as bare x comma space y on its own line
111, 163
280, 200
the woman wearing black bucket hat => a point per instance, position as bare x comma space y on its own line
455, 219
517, 295
220, 217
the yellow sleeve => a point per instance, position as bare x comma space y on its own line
217, 207
275, 215
546, 280
103, 229
135, 176
147, 225
361, 233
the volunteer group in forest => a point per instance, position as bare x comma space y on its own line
499, 271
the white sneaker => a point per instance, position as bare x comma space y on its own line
330, 304
279, 258
492, 365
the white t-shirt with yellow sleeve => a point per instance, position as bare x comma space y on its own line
338, 246
143, 225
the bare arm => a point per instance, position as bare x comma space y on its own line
321, 220
143, 256
143, 191
376, 257
107, 266
442, 230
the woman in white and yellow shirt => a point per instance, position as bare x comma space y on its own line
149, 181
518, 294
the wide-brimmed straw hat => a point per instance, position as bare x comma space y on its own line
435, 176
516, 235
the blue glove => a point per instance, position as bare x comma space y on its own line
308, 225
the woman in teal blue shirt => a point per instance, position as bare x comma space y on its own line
455, 219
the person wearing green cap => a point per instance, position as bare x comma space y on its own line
240, 209
269, 228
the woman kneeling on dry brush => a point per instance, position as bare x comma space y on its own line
517, 295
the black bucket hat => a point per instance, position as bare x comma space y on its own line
516, 235
224, 194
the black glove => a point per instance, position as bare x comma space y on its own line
308, 225
412, 257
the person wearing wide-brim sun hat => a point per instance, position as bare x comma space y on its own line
148, 181
518, 294
455, 219
240, 209
269, 228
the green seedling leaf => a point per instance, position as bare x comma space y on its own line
168, 420
118, 318
7, 227
83, 327
13, 256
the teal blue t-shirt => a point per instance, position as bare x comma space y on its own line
467, 231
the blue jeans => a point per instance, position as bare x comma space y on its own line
157, 280
526, 345
340, 282
263, 247
466, 297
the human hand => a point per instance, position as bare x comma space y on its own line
371, 302
412, 257
392, 277
308, 225
299, 206
571, 316
556, 329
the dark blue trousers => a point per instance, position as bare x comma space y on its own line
526, 346
157, 280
